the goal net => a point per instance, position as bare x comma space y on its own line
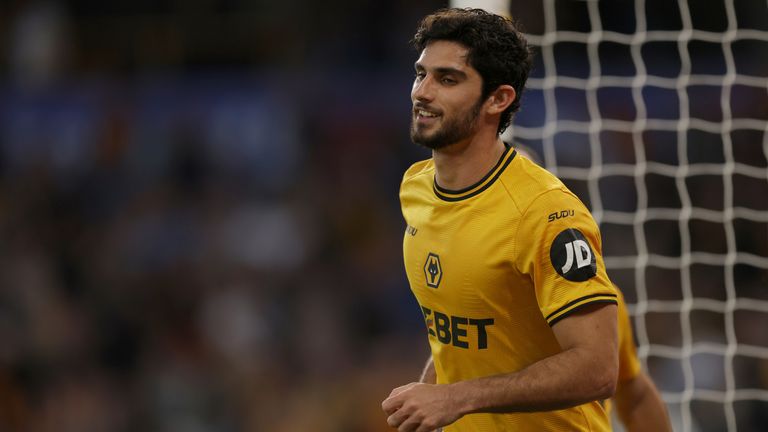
656, 114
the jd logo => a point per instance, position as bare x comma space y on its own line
432, 270
583, 255
572, 257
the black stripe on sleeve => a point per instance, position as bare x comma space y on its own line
607, 301
579, 300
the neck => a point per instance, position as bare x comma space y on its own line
464, 163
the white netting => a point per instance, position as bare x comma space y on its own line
656, 114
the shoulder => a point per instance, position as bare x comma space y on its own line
419, 171
416, 186
528, 184
548, 209
420, 168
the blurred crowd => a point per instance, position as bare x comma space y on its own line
199, 221
207, 240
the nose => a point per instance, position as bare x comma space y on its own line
423, 90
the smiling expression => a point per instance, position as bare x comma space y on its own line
446, 96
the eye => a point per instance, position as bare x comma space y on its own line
448, 81
420, 75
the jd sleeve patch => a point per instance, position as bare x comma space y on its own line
572, 257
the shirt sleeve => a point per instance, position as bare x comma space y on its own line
558, 245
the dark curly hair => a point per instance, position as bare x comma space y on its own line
497, 48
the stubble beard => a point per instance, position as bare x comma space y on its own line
451, 131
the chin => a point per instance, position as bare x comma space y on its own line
425, 139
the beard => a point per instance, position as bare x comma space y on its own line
452, 130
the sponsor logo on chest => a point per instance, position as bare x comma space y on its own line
458, 331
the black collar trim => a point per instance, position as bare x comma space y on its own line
484, 183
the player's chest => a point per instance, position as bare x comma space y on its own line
461, 254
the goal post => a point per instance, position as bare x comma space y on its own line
655, 112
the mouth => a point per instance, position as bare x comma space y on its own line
425, 116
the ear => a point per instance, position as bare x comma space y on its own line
500, 99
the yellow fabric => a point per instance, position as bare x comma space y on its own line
479, 263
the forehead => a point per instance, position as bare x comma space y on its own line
445, 54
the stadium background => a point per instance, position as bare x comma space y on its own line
199, 226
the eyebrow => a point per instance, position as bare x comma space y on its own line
443, 70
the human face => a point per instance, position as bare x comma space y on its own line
446, 96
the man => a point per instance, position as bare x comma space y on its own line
504, 260
638, 403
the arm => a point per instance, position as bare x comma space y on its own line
640, 406
585, 370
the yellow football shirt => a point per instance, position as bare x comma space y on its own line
493, 267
